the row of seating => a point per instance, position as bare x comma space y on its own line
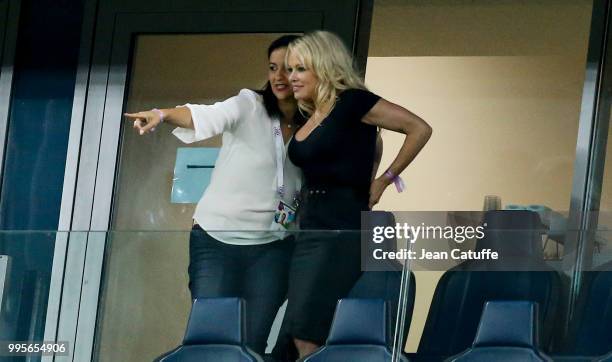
363, 321
462, 292
507, 331
452, 324
216, 332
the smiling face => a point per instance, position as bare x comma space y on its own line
277, 75
303, 80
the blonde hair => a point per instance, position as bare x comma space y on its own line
327, 56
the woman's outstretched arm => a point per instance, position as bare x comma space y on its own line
145, 121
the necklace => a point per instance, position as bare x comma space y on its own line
318, 118
287, 124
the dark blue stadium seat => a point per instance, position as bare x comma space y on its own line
594, 335
385, 285
463, 291
593, 320
558, 358
507, 333
385, 281
359, 333
215, 332
605, 358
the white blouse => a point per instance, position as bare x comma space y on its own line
238, 205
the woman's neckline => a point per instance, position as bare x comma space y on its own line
309, 133
319, 124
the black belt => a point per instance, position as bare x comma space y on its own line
323, 190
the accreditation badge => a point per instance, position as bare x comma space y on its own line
285, 215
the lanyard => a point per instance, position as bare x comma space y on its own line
279, 146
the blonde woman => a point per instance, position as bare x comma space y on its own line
335, 149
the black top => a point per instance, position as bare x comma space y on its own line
339, 152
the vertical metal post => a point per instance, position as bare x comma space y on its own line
588, 165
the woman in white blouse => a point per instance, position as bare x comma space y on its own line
235, 247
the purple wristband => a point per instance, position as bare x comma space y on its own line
160, 113
399, 183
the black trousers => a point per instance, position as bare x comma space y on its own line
256, 273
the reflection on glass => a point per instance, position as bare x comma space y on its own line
606, 188
460, 293
148, 272
504, 102
140, 296
603, 245
203, 69
26, 259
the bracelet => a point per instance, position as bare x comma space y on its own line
160, 113
399, 183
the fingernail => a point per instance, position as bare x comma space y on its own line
141, 132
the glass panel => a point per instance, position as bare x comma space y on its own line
3, 22
202, 69
602, 254
145, 300
605, 204
589, 327
501, 85
146, 304
602, 251
26, 259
